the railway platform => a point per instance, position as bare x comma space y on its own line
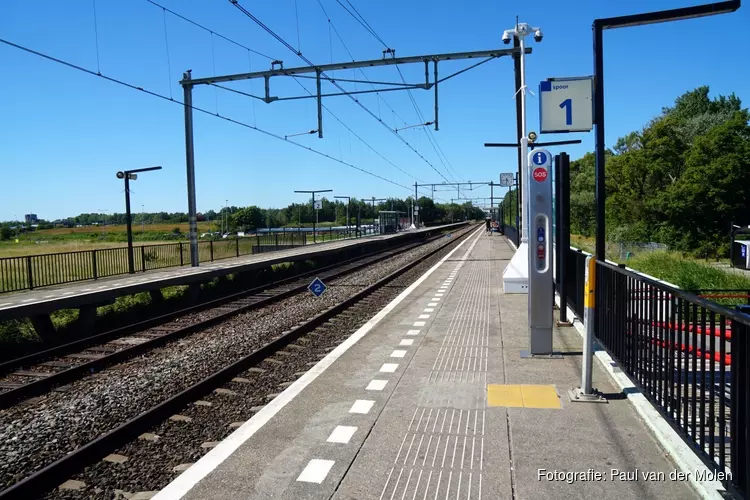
87, 295
431, 400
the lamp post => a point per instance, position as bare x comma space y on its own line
313, 204
521, 31
348, 202
127, 176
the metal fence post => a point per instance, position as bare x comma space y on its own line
276, 240
28, 273
558, 230
93, 263
564, 220
740, 406
182, 259
237, 245
211, 249
143, 258
585, 393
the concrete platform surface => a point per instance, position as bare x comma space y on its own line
431, 400
43, 300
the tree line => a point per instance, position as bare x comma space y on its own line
253, 217
681, 180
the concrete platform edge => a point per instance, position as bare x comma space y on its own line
192, 476
680, 453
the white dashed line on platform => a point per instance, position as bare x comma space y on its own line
362, 406
432, 304
413, 332
389, 367
435, 300
27, 300
341, 434
376, 385
429, 310
419, 323
316, 471
424, 316
5, 304
407, 342
398, 353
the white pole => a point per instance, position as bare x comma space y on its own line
524, 146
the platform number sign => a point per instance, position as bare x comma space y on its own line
566, 105
317, 287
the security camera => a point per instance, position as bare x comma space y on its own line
506, 38
538, 35
120, 175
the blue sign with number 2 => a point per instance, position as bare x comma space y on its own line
317, 287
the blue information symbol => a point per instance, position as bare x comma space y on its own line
317, 287
539, 158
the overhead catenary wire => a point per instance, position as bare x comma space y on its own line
96, 38
333, 115
196, 108
428, 133
152, 2
326, 77
249, 50
166, 44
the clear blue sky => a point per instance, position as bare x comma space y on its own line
65, 133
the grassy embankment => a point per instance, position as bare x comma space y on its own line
18, 336
685, 272
88, 238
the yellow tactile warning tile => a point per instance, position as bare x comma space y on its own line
522, 396
504, 395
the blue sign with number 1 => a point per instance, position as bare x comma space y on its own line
317, 287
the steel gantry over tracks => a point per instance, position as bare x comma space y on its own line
277, 69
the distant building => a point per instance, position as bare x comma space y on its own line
31, 218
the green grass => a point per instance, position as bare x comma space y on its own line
18, 336
686, 273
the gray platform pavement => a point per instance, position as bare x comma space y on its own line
21, 304
433, 402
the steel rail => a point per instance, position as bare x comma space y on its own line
47, 383
59, 350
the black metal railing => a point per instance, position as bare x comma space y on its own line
35, 271
690, 358
575, 273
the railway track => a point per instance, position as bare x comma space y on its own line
359, 305
41, 372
